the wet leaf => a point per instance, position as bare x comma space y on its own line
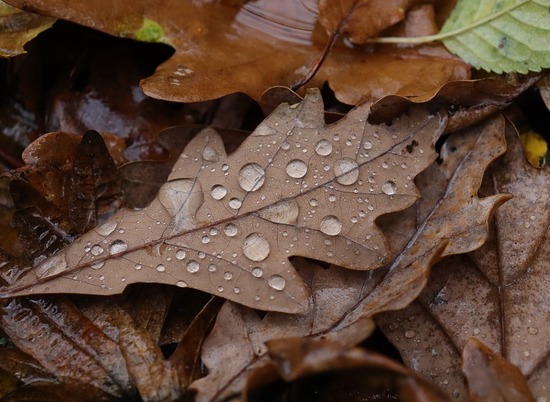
233, 221
492, 378
497, 294
18, 27
222, 49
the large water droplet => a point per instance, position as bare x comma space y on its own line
235, 203
209, 154
283, 212
256, 247
106, 229
389, 188
192, 266
96, 250
231, 230
296, 168
118, 246
257, 272
331, 225
218, 192
180, 254
346, 171
276, 282
323, 148
251, 177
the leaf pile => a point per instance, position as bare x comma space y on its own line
254, 257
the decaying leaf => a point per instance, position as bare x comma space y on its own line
18, 27
498, 294
230, 47
227, 224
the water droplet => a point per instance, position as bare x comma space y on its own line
476, 331
353, 219
205, 240
182, 71
192, 266
237, 290
331, 225
385, 165
367, 145
313, 202
209, 154
181, 284
218, 192
286, 212
285, 145
410, 334
102, 277
96, 250
161, 268
346, 171
212, 268
532, 330
118, 246
106, 229
276, 282
296, 169
98, 265
180, 254
251, 177
213, 231
257, 272
138, 267
256, 247
235, 203
323, 148
231, 230
526, 353
389, 188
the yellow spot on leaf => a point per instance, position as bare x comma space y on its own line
535, 148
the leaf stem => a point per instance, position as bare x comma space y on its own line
445, 35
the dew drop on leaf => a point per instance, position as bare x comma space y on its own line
276, 282
117, 246
257, 272
231, 230
218, 192
106, 229
367, 145
96, 250
228, 276
192, 266
346, 171
331, 225
296, 168
98, 265
161, 268
181, 284
256, 247
323, 148
235, 203
286, 212
180, 254
209, 154
251, 177
389, 188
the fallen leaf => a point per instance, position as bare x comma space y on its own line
256, 45
492, 378
498, 293
18, 27
234, 221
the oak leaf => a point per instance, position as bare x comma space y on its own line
227, 224
497, 294
223, 48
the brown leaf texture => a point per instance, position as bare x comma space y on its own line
496, 294
227, 224
254, 46
342, 301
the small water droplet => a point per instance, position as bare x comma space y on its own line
218, 192
532, 330
389, 188
367, 145
98, 265
526, 353
227, 276
237, 290
118, 246
138, 267
209, 154
181, 284
285, 145
323, 148
331, 225
213, 231
106, 229
313, 202
385, 165
180, 254
231, 230
182, 71
256, 247
212, 268
161, 268
96, 250
192, 266
257, 272
235, 203
410, 334
346, 171
205, 240
251, 177
296, 169
476, 331
332, 198
102, 277
353, 219
276, 282
220, 289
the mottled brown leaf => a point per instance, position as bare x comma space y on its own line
497, 294
295, 187
492, 378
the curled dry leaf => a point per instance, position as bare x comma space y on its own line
490, 377
227, 224
498, 293
232, 47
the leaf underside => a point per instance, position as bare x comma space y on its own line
227, 224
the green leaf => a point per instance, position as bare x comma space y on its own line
500, 35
